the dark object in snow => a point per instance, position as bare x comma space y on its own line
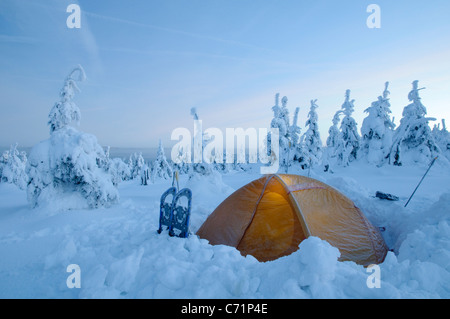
391, 197
431, 164
174, 213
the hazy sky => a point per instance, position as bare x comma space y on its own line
148, 62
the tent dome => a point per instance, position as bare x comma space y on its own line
269, 217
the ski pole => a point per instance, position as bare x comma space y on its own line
175, 178
432, 162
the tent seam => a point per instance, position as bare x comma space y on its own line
296, 204
255, 209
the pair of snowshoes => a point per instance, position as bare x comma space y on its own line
175, 211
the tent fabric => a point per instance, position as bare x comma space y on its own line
269, 217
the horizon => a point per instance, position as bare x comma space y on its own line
149, 63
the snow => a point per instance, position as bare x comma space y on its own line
121, 255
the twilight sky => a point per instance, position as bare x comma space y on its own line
149, 61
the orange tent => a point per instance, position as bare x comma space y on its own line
269, 217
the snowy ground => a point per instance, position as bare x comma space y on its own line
121, 255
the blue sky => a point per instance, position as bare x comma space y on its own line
148, 62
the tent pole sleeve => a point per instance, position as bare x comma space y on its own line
296, 208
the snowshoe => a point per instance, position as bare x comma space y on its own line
166, 209
181, 214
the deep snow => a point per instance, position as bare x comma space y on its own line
121, 255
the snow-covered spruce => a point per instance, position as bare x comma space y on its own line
280, 121
413, 141
116, 167
136, 162
201, 139
161, 168
347, 151
333, 142
12, 167
311, 138
298, 151
67, 168
66, 111
181, 159
377, 130
145, 175
302, 151
294, 129
442, 138
276, 110
119, 170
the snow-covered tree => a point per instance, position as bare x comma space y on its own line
276, 111
333, 142
334, 135
3, 162
348, 150
135, 163
311, 138
12, 167
377, 130
145, 175
182, 162
116, 167
65, 110
119, 170
413, 141
202, 168
281, 122
66, 169
161, 168
294, 129
442, 138
298, 152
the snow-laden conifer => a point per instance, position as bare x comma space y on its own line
413, 141
377, 130
68, 167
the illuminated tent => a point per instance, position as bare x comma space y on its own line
269, 217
